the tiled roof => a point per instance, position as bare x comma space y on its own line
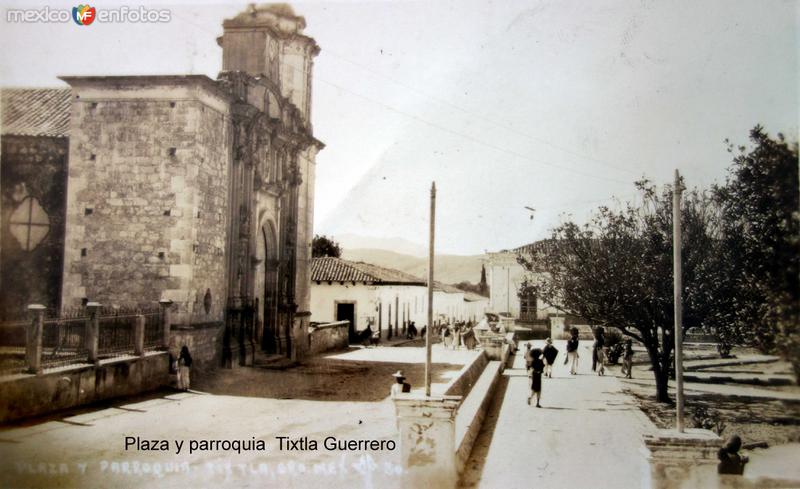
328, 269
35, 111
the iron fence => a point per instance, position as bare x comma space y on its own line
153, 330
64, 336
64, 339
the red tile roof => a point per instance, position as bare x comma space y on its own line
328, 269
35, 111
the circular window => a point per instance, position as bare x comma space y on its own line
29, 223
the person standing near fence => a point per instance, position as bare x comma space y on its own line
184, 368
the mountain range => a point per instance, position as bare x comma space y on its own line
449, 269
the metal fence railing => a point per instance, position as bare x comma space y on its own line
153, 330
65, 339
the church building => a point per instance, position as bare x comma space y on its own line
135, 190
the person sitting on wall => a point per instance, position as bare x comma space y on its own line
400, 386
730, 462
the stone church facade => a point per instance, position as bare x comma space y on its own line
192, 190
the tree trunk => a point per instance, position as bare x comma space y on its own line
661, 374
662, 385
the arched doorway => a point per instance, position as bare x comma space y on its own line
266, 289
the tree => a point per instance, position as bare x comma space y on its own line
469, 287
616, 271
324, 246
761, 233
483, 286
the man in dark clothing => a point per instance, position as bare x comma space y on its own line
572, 352
550, 354
599, 354
730, 462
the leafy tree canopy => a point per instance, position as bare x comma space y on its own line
324, 246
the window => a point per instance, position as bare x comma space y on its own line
527, 307
29, 223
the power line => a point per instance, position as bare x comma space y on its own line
501, 125
468, 137
434, 125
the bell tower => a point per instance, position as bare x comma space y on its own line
268, 41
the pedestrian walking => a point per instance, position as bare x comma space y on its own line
528, 357
599, 345
550, 354
184, 368
572, 352
456, 337
627, 361
537, 369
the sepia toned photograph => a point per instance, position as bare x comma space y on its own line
400, 244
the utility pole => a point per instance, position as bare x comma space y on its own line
677, 294
430, 294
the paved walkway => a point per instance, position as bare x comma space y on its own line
587, 434
344, 395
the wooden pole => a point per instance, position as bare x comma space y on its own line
677, 292
430, 294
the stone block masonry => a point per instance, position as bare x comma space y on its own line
147, 194
204, 342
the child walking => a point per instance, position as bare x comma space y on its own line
537, 368
627, 362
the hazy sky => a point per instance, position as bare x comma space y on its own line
505, 104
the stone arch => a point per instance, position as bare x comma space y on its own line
266, 291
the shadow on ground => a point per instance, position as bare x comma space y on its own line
320, 379
477, 459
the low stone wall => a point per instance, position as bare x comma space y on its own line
328, 336
29, 395
204, 342
453, 419
462, 384
472, 412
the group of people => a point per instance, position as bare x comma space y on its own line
539, 362
459, 334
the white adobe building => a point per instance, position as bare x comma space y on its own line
505, 277
384, 298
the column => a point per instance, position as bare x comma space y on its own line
166, 320
427, 439
686, 459
138, 336
93, 331
33, 338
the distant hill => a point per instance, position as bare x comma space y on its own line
449, 269
397, 245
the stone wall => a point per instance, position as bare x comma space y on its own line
30, 269
147, 202
326, 337
462, 384
25, 396
204, 342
